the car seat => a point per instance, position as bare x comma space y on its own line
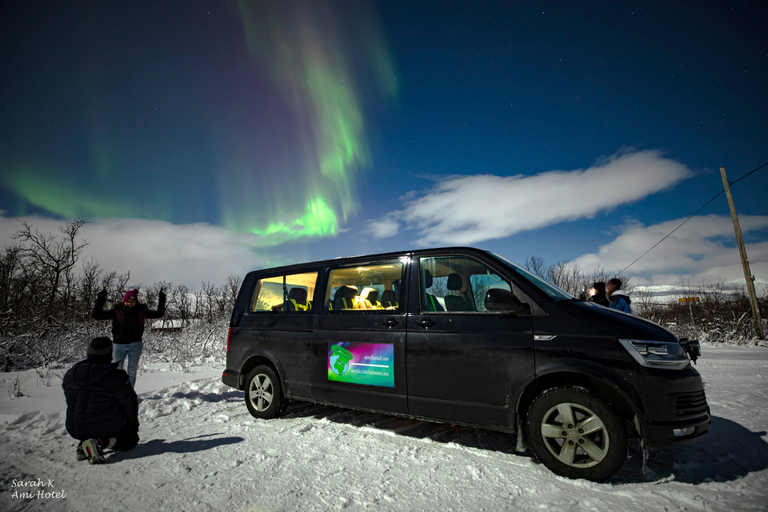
389, 299
369, 295
456, 302
297, 300
344, 298
432, 303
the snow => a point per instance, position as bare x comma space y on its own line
201, 450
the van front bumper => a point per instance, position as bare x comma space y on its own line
231, 378
676, 409
668, 434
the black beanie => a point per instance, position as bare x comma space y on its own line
100, 346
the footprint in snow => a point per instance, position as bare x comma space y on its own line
304, 429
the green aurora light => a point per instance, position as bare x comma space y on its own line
320, 220
300, 45
51, 191
314, 62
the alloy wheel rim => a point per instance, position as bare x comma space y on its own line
260, 392
575, 435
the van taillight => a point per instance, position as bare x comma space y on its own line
229, 335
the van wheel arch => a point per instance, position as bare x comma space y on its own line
576, 434
252, 363
263, 393
600, 388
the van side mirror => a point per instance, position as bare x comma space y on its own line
500, 300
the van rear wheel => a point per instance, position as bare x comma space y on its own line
576, 434
263, 394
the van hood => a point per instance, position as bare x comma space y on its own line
622, 325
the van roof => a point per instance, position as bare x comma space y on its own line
384, 255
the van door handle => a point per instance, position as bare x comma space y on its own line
390, 322
427, 322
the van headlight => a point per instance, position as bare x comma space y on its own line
657, 354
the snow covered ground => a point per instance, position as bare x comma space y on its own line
201, 450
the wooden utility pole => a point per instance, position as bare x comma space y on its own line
744, 261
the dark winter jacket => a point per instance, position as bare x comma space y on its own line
621, 301
100, 399
127, 323
600, 297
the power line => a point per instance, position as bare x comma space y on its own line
670, 233
692, 216
750, 172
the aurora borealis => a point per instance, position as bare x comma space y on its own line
298, 130
282, 156
310, 65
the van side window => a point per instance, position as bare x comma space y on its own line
456, 283
290, 293
370, 287
481, 283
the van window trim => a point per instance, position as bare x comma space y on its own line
269, 275
330, 267
493, 264
543, 295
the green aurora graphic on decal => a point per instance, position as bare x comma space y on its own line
340, 359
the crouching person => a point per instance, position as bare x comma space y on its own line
102, 407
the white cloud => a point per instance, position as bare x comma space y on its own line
693, 254
470, 209
382, 228
155, 250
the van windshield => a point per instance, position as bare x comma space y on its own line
551, 290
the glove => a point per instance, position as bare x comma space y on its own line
161, 295
102, 296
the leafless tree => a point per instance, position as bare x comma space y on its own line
88, 287
10, 267
536, 265
229, 293
568, 276
208, 293
51, 255
121, 285
181, 301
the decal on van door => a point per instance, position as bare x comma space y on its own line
371, 364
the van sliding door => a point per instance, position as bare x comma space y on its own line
358, 349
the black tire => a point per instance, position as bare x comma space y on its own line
263, 393
576, 434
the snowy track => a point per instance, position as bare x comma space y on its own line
201, 450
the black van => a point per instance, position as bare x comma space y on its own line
464, 336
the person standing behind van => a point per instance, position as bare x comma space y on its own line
127, 327
618, 298
597, 294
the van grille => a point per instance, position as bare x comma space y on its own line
691, 403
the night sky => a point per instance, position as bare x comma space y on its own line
203, 138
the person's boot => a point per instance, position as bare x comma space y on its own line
79, 453
92, 450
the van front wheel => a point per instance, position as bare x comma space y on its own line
576, 434
263, 395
